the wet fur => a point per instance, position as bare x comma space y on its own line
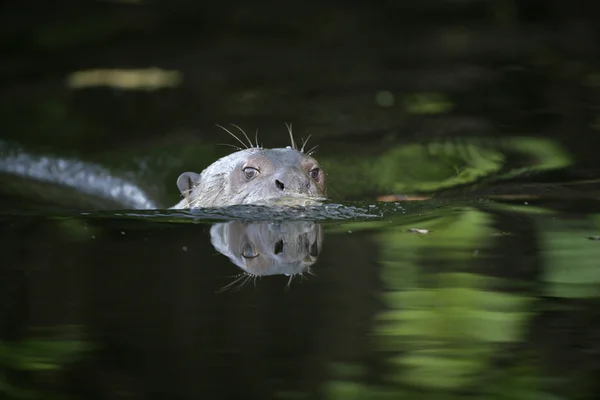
214, 186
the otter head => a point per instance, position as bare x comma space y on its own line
255, 176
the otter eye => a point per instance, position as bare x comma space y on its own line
314, 173
250, 172
248, 251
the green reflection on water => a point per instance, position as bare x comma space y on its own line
41, 358
571, 259
443, 327
441, 165
445, 324
427, 103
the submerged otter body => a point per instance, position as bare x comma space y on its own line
255, 176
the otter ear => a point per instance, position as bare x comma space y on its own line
187, 181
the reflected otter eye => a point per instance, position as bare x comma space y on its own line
278, 247
313, 249
250, 172
314, 173
248, 251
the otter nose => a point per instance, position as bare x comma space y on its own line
292, 180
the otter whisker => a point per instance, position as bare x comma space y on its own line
229, 276
289, 282
230, 145
302, 277
289, 127
304, 143
248, 278
256, 139
244, 133
310, 152
242, 282
229, 285
332, 188
231, 133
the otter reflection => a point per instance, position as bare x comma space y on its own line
268, 248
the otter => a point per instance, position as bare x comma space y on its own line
251, 175
255, 175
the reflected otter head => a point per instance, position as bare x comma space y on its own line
255, 176
267, 248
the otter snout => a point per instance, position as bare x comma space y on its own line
292, 180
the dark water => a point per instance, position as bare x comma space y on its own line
486, 299
488, 289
